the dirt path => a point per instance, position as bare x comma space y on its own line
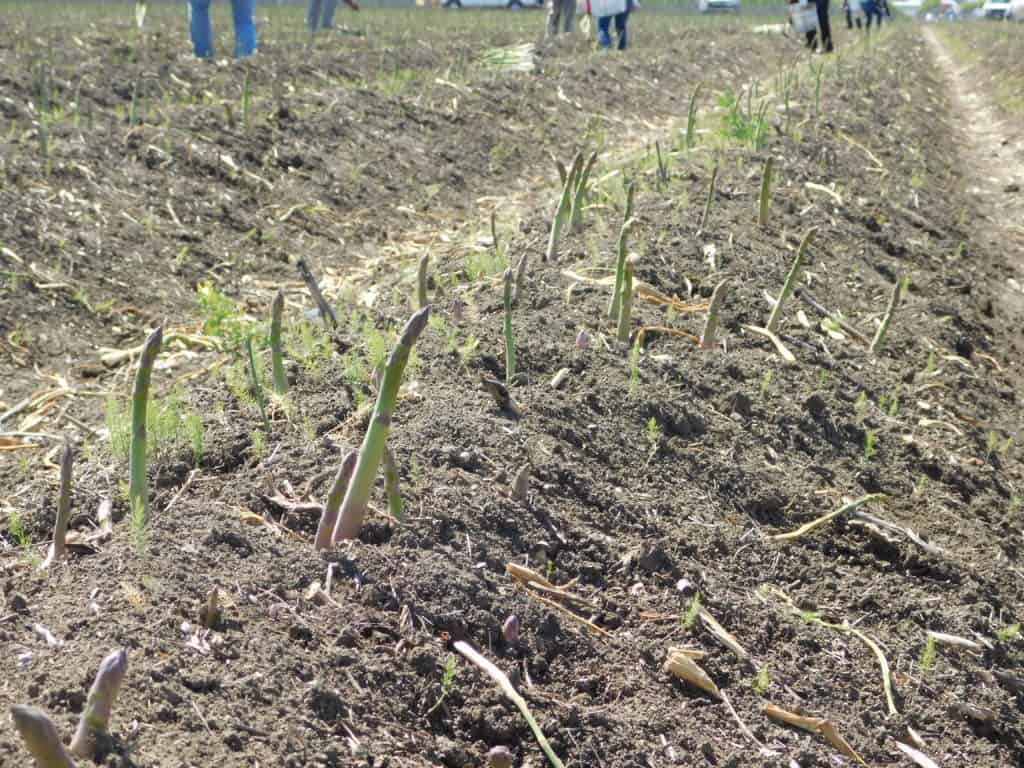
993, 150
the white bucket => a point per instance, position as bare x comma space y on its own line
804, 18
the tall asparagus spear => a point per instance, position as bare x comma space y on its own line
710, 333
329, 517
60, 528
276, 354
766, 193
353, 508
96, 715
40, 737
564, 207
791, 278
138, 490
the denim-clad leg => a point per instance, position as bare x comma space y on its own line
604, 37
620, 28
330, 6
199, 28
244, 12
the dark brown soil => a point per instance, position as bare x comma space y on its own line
651, 481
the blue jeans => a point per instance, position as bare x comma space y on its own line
871, 9
202, 35
604, 37
320, 14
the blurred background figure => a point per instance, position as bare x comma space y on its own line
320, 14
563, 11
202, 34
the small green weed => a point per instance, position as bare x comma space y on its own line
689, 619
766, 384
1009, 633
869, 444
761, 682
222, 317
927, 658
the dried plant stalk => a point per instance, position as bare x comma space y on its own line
803, 530
682, 666
894, 302
330, 320
502, 681
816, 725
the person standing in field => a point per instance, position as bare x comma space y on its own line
604, 37
871, 9
202, 35
320, 13
563, 11
824, 28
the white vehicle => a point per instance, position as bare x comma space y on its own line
493, 3
996, 9
1016, 11
708, 6
906, 7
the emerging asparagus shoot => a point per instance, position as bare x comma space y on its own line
40, 737
626, 300
791, 279
138, 490
276, 354
510, 346
620, 268
328, 519
60, 528
766, 193
96, 715
353, 507
257, 388
711, 196
894, 302
709, 337
421, 277
564, 207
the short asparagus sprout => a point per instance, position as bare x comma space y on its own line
520, 283
499, 757
510, 629
710, 197
421, 282
502, 396
40, 737
276, 355
791, 279
96, 715
325, 531
766, 193
138, 490
257, 388
564, 207
691, 118
210, 613
510, 345
709, 337
60, 529
894, 302
580, 193
391, 485
626, 300
620, 268
330, 320
357, 497
521, 483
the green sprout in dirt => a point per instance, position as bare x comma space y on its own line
96, 715
257, 387
16, 530
562, 213
620, 268
761, 682
766, 194
869, 444
276, 349
421, 276
710, 197
626, 300
894, 301
1008, 633
60, 528
581, 194
138, 490
391, 486
766, 384
929, 366
510, 344
691, 119
634, 367
709, 336
194, 430
662, 175
791, 280
448, 674
653, 431
353, 507
221, 316
927, 658
860, 406
40, 736
689, 619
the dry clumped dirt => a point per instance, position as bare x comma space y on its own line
653, 478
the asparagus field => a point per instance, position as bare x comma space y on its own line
428, 393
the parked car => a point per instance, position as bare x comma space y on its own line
708, 6
996, 9
493, 3
1016, 11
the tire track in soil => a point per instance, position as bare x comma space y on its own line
992, 151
